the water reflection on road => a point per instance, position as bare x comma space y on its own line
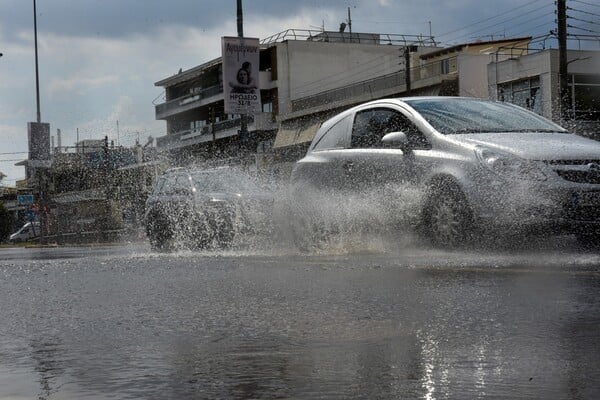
121, 322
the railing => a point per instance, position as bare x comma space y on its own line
334, 36
261, 121
348, 92
188, 99
394, 80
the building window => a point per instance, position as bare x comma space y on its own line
445, 65
584, 93
525, 93
267, 107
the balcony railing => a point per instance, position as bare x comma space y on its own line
259, 121
185, 102
348, 92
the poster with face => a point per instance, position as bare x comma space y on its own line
240, 75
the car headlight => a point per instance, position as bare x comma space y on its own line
510, 166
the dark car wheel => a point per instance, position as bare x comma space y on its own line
448, 218
160, 231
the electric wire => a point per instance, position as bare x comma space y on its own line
583, 12
582, 20
508, 20
586, 3
489, 19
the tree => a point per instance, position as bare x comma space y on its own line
6, 222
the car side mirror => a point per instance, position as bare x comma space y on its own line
395, 139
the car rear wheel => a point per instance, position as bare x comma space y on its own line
448, 216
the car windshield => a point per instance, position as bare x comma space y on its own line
221, 182
456, 116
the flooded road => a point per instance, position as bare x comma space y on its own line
125, 323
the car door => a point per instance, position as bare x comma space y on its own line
390, 175
369, 164
322, 168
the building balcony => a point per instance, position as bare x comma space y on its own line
218, 130
188, 102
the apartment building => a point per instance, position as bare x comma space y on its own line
532, 81
303, 76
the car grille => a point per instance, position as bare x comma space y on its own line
579, 171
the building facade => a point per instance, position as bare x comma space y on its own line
533, 81
304, 76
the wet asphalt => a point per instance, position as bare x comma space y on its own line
122, 322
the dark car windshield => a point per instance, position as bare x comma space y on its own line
455, 116
230, 182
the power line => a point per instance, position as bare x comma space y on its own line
582, 29
583, 12
488, 26
505, 21
586, 3
582, 20
488, 19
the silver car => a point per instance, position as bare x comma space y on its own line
467, 165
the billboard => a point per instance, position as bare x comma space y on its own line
240, 75
38, 135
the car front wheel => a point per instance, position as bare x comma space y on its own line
160, 231
448, 219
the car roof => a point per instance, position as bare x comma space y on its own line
399, 101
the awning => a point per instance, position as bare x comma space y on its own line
285, 137
307, 134
288, 136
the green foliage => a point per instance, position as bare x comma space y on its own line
6, 223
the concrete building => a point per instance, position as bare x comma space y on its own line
302, 75
532, 81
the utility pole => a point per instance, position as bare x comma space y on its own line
407, 50
37, 75
563, 76
243, 134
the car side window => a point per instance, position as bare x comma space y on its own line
336, 137
183, 184
159, 187
371, 125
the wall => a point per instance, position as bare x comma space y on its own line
306, 68
472, 75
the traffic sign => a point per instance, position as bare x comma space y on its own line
24, 199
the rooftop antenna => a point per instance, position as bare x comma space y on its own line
349, 23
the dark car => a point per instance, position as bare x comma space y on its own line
463, 164
199, 208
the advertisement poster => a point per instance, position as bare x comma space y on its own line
240, 75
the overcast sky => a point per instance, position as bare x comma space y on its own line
99, 59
